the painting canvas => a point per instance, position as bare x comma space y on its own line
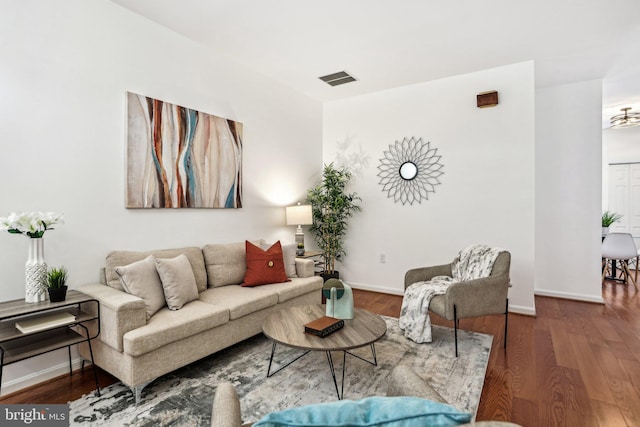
181, 158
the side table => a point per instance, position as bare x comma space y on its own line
316, 256
16, 346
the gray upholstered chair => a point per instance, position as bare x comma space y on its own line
473, 298
403, 381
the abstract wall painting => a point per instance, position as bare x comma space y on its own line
181, 158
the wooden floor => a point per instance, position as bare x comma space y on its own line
575, 364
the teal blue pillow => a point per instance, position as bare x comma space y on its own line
369, 412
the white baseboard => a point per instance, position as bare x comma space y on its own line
375, 288
519, 309
568, 295
41, 376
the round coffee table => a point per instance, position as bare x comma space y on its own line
286, 327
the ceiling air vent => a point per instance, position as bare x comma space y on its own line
339, 78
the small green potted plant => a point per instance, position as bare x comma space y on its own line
57, 283
609, 218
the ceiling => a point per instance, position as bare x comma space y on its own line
387, 44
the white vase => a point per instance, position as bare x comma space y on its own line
35, 272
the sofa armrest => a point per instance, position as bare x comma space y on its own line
426, 273
305, 267
226, 407
478, 297
120, 313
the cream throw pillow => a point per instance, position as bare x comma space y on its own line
178, 281
288, 255
141, 279
226, 263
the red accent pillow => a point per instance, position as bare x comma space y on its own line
264, 267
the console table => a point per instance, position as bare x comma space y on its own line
16, 345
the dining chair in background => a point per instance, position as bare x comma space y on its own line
619, 248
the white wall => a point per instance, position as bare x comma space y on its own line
618, 146
64, 69
568, 191
487, 190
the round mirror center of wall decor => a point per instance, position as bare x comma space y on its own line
408, 171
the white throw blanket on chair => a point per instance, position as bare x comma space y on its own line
473, 262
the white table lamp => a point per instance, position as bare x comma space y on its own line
299, 215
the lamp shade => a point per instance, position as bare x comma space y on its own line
299, 215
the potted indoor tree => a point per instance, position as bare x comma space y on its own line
57, 283
609, 218
332, 207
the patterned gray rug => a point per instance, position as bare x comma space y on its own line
184, 397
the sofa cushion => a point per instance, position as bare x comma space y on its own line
225, 263
289, 257
438, 303
264, 267
121, 258
296, 287
167, 326
141, 279
240, 301
370, 412
178, 282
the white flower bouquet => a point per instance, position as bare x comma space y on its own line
31, 224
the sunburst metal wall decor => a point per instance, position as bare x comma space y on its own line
409, 170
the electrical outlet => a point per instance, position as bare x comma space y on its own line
383, 258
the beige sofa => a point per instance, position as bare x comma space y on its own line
137, 350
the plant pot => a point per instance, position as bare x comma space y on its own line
605, 231
327, 276
58, 295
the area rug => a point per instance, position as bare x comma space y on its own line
185, 396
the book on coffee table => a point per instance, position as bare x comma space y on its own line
323, 326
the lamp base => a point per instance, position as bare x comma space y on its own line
299, 241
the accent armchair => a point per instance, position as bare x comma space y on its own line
473, 298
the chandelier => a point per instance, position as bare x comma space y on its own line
625, 120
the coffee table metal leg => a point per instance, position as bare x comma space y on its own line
344, 364
332, 368
273, 350
373, 354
